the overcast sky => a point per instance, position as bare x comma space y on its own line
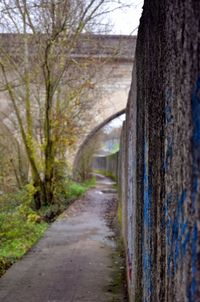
127, 20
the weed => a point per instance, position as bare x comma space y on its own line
17, 232
106, 173
21, 226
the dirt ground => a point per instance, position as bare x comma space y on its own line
79, 258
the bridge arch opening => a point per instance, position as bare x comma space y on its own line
83, 159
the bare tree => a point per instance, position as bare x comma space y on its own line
47, 85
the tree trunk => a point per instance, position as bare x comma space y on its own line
40, 195
49, 172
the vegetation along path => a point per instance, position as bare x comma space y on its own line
78, 260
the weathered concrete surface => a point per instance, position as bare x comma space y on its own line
74, 262
108, 164
161, 156
100, 46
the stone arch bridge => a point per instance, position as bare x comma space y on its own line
113, 79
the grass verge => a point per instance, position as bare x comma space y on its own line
18, 230
21, 226
105, 173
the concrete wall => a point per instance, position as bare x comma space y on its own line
88, 147
117, 47
160, 156
162, 148
107, 164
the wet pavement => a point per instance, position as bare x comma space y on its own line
76, 260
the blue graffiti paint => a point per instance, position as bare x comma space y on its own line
147, 272
194, 260
147, 216
168, 114
195, 140
185, 235
195, 182
191, 291
196, 119
169, 152
176, 227
147, 189
167, 202
177, 232
194, 187
182, 233
182, 200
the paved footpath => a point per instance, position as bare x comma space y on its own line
74, 261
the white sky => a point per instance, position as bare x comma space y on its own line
117, 122
126, 20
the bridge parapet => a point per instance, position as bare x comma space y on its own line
115, 47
